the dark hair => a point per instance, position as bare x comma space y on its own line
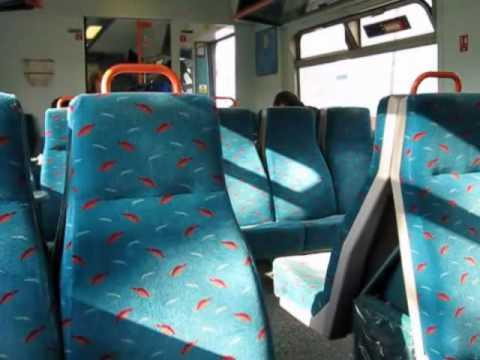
287, 98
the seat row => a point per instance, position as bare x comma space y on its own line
289, 194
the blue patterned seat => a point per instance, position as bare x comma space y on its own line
304, 283
27, 308
154, 264
438, 216
249, 189
53, 172
302, 187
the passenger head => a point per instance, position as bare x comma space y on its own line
287, 98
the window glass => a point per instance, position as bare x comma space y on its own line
418, 19
365, 81
323, 41
225, 79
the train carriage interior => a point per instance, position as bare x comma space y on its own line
239, 179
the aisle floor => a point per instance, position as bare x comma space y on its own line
292, 339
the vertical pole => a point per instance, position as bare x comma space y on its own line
139, 46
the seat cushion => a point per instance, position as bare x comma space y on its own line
270, 240
154, 263
381, 331
300, 280
322, 234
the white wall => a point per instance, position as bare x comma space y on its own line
455, 18
44, 34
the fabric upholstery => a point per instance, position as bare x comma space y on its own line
348, 150
53, 172
154, 264
440, 177
301, 280
27, 308
270, 240
381, 331
301, 183
245, 176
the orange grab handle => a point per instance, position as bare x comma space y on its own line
116, 70
439, 75
235, 102
63, 101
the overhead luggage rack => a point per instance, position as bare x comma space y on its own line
278, 12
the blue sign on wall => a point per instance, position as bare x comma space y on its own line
266, 52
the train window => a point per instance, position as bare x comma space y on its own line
323, 41
225, 83
365, 80
408, 21
332, 72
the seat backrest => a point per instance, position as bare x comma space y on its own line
27, 321
301, 183
154, 262
348, 263
436, 177
245, 176
364, 188
54, 168
348, 151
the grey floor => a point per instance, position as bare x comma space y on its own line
292, 339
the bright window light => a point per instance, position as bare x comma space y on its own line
224, 32
364, 81
92, 31
225, 70
323, 41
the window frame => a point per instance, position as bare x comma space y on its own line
355, 48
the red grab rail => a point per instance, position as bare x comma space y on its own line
63, 101
116, 70
439, 75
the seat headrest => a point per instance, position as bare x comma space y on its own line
443, 133
111, 134
354, 121
240, 121
56, 128
292, 120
